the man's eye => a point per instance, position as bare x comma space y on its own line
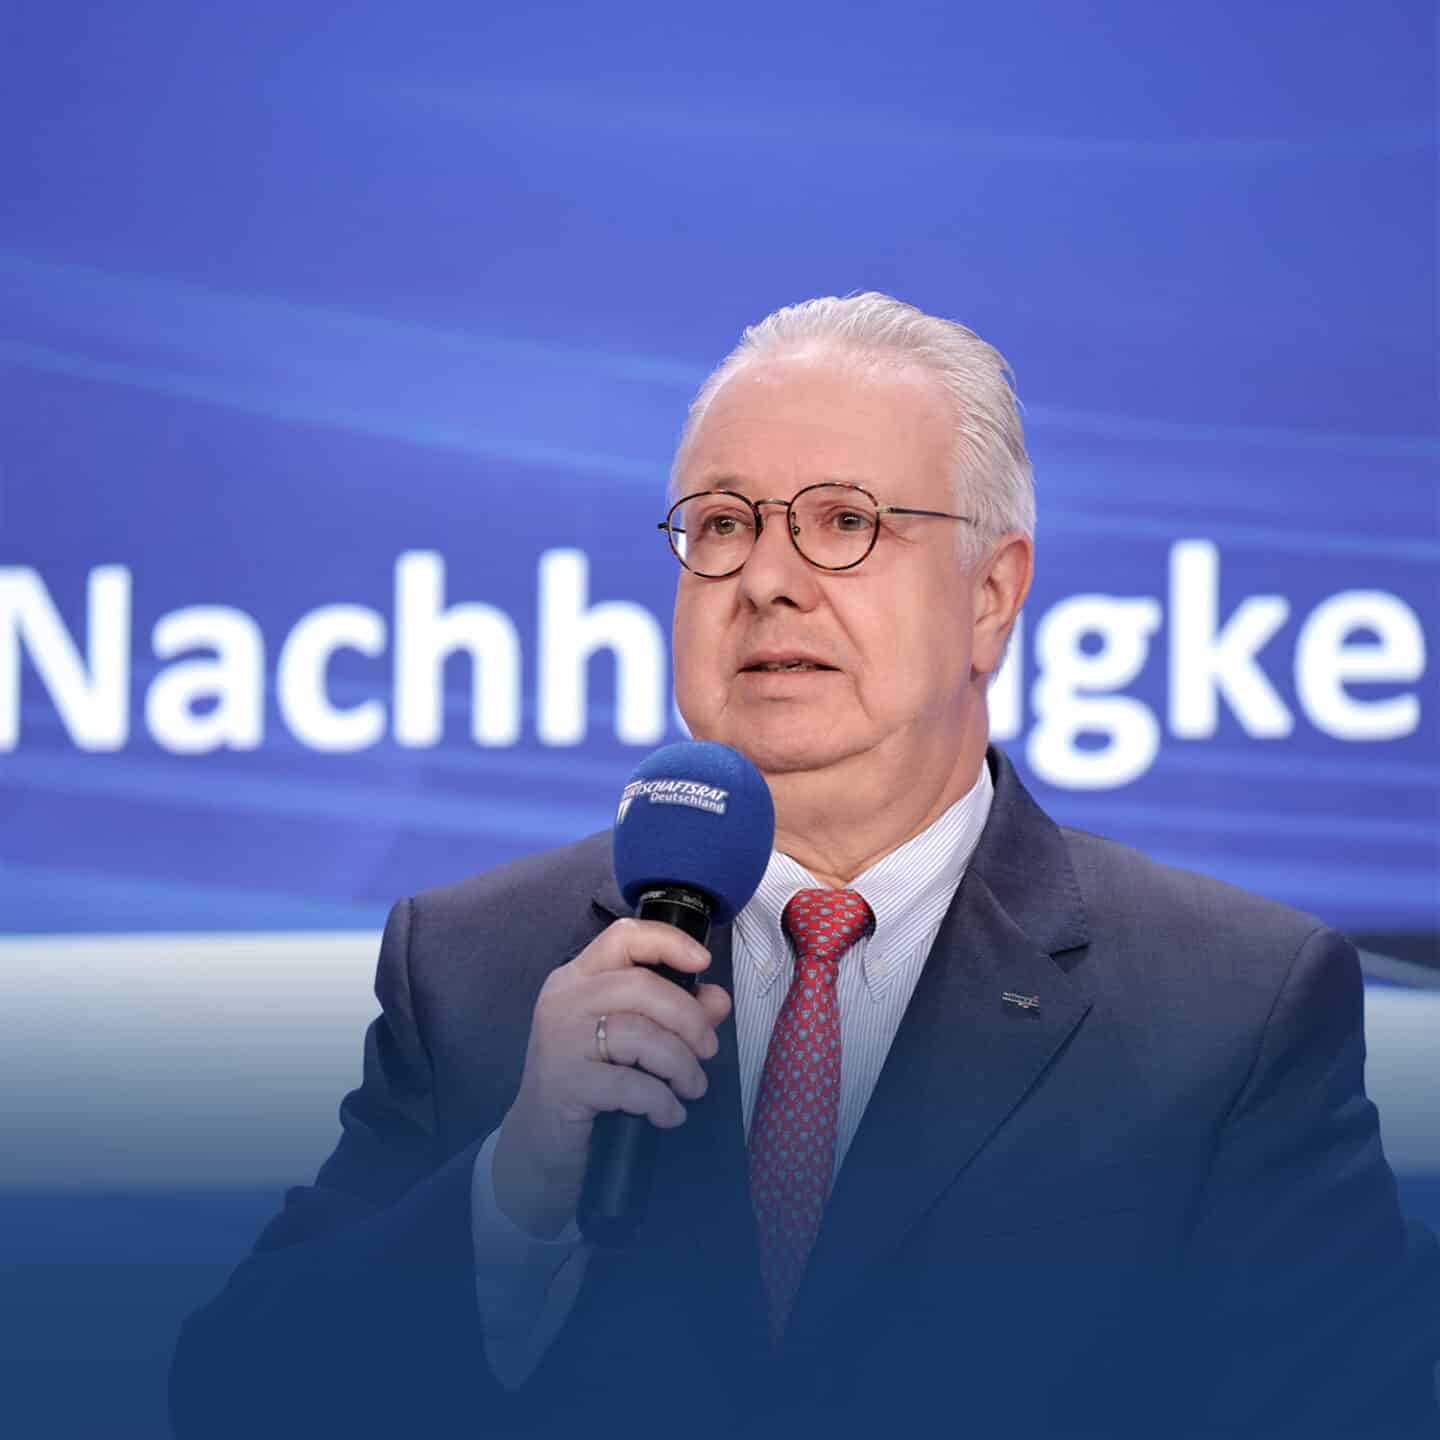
850, 522
724, 526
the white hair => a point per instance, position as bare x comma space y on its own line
993, 482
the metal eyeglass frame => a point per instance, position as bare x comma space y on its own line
672, 530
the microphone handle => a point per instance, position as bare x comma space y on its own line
622, 1147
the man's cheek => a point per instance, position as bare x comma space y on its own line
701, 692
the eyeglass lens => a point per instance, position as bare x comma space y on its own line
833, 526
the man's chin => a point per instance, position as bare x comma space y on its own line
777, 755
783, 740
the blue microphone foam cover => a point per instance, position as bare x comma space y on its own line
697, 814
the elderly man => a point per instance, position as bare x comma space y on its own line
1094, 1151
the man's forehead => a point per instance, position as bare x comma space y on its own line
811, 418
800, 380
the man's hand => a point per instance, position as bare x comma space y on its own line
652, 1025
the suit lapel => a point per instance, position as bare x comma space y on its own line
700, 1203
705, 1158
964, 1057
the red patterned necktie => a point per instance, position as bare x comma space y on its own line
793, 1130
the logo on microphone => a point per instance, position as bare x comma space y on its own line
709, 798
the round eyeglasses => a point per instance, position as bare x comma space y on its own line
833, 525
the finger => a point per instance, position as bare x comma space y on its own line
715, 1001
641, 942
641, 992
618, 1087
634, 1040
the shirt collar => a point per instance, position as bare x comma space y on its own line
908, 890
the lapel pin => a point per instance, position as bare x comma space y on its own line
1021, 1002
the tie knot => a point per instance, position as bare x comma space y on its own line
824, 924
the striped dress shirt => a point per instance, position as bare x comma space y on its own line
908, 892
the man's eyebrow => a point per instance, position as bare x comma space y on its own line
728, 481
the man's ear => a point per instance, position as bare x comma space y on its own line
1001, 583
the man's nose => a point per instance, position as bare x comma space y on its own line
776, 572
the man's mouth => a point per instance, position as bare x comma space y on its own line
779, 666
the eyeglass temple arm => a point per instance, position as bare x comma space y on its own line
905, 510
883, 510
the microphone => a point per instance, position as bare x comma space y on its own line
692, 838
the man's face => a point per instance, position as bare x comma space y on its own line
894, 634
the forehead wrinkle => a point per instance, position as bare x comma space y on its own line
739, 485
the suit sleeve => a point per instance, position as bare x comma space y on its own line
1319, 1307
356, 1312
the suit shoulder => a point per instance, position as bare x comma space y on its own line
1206, 963
1122, 886
532, 893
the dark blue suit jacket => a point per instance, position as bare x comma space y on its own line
1155, 1203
